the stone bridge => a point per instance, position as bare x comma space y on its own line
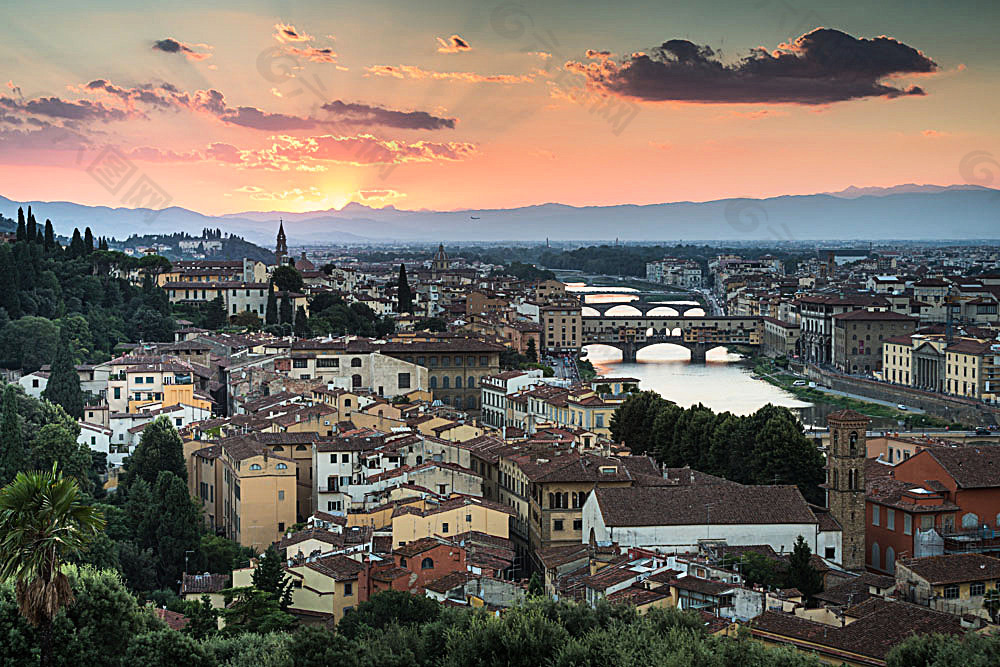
643, 307
631, 333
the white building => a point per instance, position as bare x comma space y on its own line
679, 519
34, 383
496, 389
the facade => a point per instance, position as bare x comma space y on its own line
845, 482
779, 338
954, 583
354, 363
858, 338
562, 327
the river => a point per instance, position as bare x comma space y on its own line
722, 383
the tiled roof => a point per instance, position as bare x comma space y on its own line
338, 567
675, 506
955, 568
173, 620
204, 583
970, 467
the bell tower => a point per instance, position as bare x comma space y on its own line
845, 482
281, 247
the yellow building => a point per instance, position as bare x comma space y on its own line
158, 384
447, 518
952, 583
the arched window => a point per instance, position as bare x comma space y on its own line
854, 443
890, 560
420, 459
836, 437
281, 466
255, 466
356, 362
970, 521
458, 382
565, 500
445, 383
552, 500
427, 564
876, 557
836, 478
434, 382
852, 479
300, 448
355, 380
279, 448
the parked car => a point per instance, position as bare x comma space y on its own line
799, 383
982, 430
902, 407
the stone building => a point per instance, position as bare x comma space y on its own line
845, 482
858, 337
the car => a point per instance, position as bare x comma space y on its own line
982, 430
799, 383
902, 407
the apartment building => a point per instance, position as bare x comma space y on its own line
356, 363
138, 383
562, 326
858, 338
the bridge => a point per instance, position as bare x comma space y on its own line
631, 333
643, 307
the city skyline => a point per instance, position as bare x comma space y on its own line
296, 108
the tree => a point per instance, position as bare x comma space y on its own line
248, 319
88, 241
218, 554
271, 311
31, 230
404, 297
42, 520
287, 278
531, 351
166, 648
12, 451
160, 449
302, 329
251, 610
269, 576
386, 608
178, 523
285, 314
29, 342
22, 231
535, 586
202, 618
632, 421
76, 245
64, 382
215, 313
991, 603
56, 443
801, 574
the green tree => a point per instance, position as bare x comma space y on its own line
56, 443
43, 519
76, 246
404, 297
251, 610
22, 232
531, 351
177, 529
535, 586
50, 235
166, 648
215, 313
991, 603
632, 421
63, 387
285, 313
29, 342
317, 647
202, 618
386, 608
88, 241
271, 310
302, 329
287, 278
269, 576
801, 574
220, 555
159, 449
248, 319
12, 451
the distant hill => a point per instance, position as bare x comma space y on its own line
917, 212
206, 246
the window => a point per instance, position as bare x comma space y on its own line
970, 521
557, 524
348, 588
444, 527
577, 524
445, 382
355, 380
402, 561
907, 524
281, 466
281, 526
458, 382
468, 518
328, 363
875, 515
977, 588
890, 519
890, 560
434, 382
876, 557
442, 489
830, 553
281, 495
403, 381
300, 363
951, 592
255, 466
356, 362
427, 564
345, 458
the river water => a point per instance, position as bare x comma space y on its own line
722, 383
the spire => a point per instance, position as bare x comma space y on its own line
281, 248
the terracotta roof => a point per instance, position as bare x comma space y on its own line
204, 583
173, 620
676, 506
848, 415
970, 467
955, 568
855, 589
636, 596
338, 567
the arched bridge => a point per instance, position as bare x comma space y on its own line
699, 334
643, 307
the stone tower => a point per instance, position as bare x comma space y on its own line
281, 248
440, 264
845, 482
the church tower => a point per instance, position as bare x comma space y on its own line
440, 263
845, 482
281, 248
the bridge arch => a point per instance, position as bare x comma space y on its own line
622, 310
664, 310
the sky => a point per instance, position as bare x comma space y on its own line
295, 106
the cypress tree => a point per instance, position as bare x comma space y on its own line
285, 314
801, 574
531, 351
50, 235
269, 576
271, 312
215, 318
302, 329
12, 452
64, 383
88, 241
404, 296
76, 244
31, 232
178, 526
21, 229
159, 449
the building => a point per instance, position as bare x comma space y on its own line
845, 482
281, 244
779, 338
562, 326
355, 363
496, 389
954, 583
858, 336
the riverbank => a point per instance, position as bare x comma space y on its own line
770, 372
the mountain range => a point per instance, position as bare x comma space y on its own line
919, 212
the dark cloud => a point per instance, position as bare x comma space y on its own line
453, 44
69, 110
285, 32
314, 54
365, 114
189, 51
820, 67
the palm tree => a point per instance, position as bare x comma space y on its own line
42, 519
